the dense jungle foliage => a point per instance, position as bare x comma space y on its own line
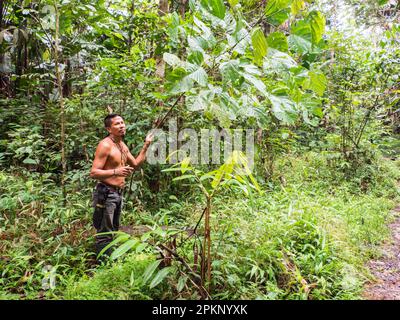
318, 83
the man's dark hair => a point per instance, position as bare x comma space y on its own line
108, 119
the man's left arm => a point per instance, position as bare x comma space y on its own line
136, 162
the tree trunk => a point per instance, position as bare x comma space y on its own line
18, 66
1, 14
3, 8
131, 22
5, 87
61, 102
182, 8
163, 8
67, 87
206, 260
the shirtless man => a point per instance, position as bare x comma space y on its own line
112, 164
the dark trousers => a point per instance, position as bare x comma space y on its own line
107, 204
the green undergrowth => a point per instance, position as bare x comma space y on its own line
122, 280
38, 234
298, 244
308, 236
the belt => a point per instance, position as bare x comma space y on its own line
112, 188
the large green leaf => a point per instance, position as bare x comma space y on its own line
260, 45
183, 279
239, 41
150, 270
312, 104
200, 101
233, 2
317, 82
251, 69
128, 245
230, 70
248, 105
229, 103
278, 61
297, 6
300, 75
203, 28
275, 6
283, 108
309, 104
277, 11
277, 40
199, 76
184, 85
178, 81
299, 44
196, 57
215, 7
317, 24
222, 114
280, 17
302, 28
172, 60
30, 161
257, 83
185, 75
160, 276
198, 43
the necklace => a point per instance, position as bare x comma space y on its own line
124, 155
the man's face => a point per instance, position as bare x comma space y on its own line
117, 127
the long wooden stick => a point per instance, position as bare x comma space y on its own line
161, 122
158, 125
61, 100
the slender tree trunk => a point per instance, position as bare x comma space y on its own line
4, 82
208, 234
206, 258
182, 12
18, 66
67, 87
182, 8
1, 13
131, 22
82, 130
61, 102
163, 8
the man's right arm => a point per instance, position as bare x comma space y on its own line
100, 158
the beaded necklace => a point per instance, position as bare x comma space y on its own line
124, 154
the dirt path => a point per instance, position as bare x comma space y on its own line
387, 269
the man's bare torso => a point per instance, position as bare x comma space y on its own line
114, 161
